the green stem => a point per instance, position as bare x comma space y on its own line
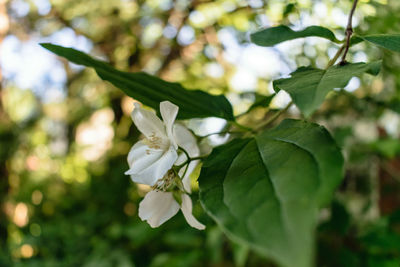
198, 158
220, 133
242, 126
275, 116
188, 158
184, 173
335, 58
184, 151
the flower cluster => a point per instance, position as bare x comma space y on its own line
161, 161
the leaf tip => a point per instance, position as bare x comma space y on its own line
44, 44
47, 46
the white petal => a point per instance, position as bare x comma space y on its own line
187, 212
157, 207
148, 123
181, 159
187, 185
140, 159
157, 169
185, 139
142, 156
168, 113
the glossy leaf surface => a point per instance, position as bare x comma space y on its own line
275, 35
308, 86
266, 191
151, 90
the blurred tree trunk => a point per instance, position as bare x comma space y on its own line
4, 27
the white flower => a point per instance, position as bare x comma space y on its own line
151, 158
151, 162
157, 207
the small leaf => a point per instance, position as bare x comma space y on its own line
275, 35
308, 86
265, 191
291, 7
151, 90
388, 41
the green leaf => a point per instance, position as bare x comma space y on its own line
388, 147
275, 35
379, 261
388, 41
308, 86
265, 191
151, 90
290, 8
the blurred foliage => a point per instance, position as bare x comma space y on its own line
64, 198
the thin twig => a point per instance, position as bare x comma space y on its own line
349, 32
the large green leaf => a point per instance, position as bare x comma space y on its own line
388, 41
151, 90
275, 35
266, 191
308, 86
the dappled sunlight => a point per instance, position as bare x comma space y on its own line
20, 217
96, 136
26, 251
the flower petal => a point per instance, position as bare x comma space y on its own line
148, 123
142, 156
149, 165
185, 139
187, 212
187, 184
168, 113
157, 207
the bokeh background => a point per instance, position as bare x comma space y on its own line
65, 134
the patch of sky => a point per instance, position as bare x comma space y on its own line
210, 51
339, 17
19, 8
252, 61
360, 56
27, 65
255, 3
43, 7
170, 31
262, 20
214, 70
186, 35
320, 10
197, 17
353, 84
